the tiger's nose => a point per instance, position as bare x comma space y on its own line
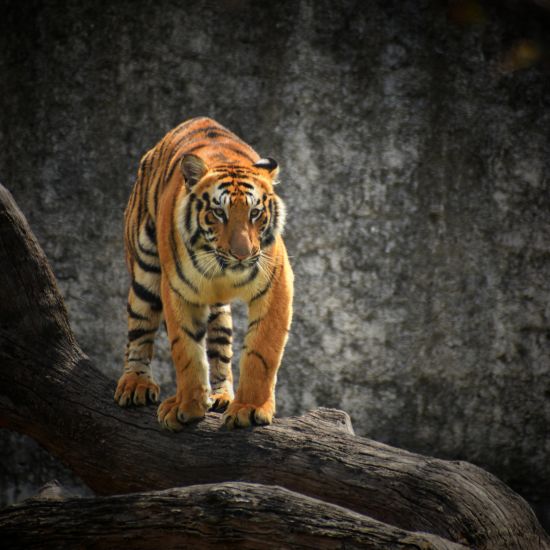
240, 246
241, 253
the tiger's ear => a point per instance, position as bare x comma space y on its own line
270, 165
193, 169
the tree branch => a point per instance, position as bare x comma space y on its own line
51, 391
234, 515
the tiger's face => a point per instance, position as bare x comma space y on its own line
232, 214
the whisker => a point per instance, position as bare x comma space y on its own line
265, 269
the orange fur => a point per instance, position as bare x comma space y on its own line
203, 228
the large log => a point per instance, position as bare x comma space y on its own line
52, 392
226, 515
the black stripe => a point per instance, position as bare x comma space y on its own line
187, 137
199, 130
246, 184
138, 189
238, 267
195, 148
179, 269
266, 288
216, 381
274, 214
159, 162
239, 151
144, 162
147, 251
174, 342
147, 267
173, 168
225, 330
181, 127
189, 122
218, 132
262, 292
188, 211
187, 365
195, 236
151, 231
196, 336
147, 296
193, 259
274, 222
220, 340
260, 357
133, 196
215, 354
252, 324
251, 276
267, 238
232, 172
156, 197
182, 297
134, 315
164, 163
221, 262
136, 333
214, 316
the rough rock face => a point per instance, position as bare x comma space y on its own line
414, 148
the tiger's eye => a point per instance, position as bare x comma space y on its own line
219, 213
254, 213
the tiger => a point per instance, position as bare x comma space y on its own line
203, 228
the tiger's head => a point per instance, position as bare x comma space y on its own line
231, 213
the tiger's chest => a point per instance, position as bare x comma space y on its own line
187, 280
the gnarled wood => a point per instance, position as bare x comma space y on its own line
51, 391
226, 515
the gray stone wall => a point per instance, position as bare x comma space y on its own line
415, 167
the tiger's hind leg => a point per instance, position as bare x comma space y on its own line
136, 385
219, 352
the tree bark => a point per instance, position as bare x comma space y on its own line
51, 391
230, 515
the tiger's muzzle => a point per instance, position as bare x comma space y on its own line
241, 247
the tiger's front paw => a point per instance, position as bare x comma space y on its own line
182, 408
136, 389
220, 401
242, 415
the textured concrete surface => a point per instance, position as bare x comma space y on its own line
414, 148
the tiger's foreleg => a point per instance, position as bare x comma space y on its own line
186, 325
269, 318
137, 385
219, 351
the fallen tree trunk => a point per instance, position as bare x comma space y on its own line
51, 391
230, 515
